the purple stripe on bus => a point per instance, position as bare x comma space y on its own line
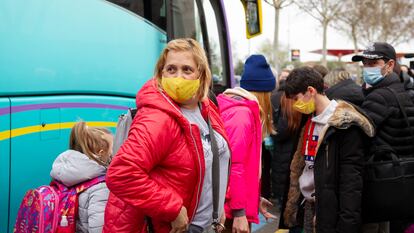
4, 111
29, 107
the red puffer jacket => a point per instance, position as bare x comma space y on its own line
159, 168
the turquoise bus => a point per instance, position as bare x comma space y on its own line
62, 61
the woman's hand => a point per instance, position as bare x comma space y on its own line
264, 204
220, 227
180, 224
240, 225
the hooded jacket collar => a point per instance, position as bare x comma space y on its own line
345, 116
241, 92
228, 102
73, 167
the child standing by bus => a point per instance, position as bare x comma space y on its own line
89, 154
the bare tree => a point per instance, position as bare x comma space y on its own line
390, 21
277, 6
323, 11
366, 21
348, 20
266, 49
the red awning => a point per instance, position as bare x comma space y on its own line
336, 52
344, 52
400, 55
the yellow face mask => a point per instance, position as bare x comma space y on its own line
180, 89
304, 107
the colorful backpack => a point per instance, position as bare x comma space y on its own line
51, 209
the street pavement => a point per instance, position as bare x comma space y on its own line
270, 226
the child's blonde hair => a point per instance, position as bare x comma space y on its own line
94, 142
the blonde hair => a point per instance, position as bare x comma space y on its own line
335, 77
266, 116
188, 45
94, 142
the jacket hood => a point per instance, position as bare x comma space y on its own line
347, 114
72, 167
227, 102
241, 92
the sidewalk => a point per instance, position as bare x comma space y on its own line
268, 227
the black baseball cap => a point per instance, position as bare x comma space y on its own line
377, 50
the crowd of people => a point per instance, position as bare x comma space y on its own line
298, 141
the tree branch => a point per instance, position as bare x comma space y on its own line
270, 3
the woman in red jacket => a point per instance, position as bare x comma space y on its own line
164, 169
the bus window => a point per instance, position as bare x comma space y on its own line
152, 10
215, 44
197, 19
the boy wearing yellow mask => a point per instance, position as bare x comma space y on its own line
327, 165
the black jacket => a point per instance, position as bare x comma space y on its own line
283, 151
382, 106
285, 143
346, 90
337, 172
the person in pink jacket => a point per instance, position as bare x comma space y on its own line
247, 116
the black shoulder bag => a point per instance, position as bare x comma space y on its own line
388, 192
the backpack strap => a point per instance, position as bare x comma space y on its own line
215, 175
87, 184
133, 112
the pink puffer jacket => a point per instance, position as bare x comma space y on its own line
242, 123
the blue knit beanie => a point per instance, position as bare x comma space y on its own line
257, 75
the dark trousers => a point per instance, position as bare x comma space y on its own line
194, 229
265, 179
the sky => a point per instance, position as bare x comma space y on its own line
297, 30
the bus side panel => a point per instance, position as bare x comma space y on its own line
4, 162
88, 46
40, 132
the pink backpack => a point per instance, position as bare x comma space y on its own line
51, 209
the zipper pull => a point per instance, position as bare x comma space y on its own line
64, 221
